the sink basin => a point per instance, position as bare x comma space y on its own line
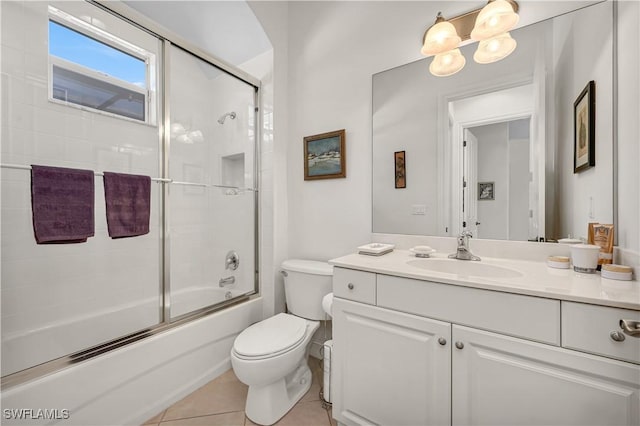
465, 268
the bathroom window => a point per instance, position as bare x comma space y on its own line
91, 68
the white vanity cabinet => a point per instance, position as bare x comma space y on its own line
392, 368
415, 352
502, 380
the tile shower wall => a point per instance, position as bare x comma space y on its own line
57, 299
206, 223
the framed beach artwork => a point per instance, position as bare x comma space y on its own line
584, 125
325, 156
400, 169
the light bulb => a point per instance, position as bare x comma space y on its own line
493, 45
440, 37
495, 18
447, 63
494, 49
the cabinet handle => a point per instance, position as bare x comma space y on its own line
459, 345
350, 286
617, 336
442, 341
632, 328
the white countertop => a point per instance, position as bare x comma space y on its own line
537, 279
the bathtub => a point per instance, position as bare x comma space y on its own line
159, 371
27, 348
193, 298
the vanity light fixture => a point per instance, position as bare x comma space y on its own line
489, 26
497, 17
442, 40
440, 37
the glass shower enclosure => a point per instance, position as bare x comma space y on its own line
64, 303
212, 198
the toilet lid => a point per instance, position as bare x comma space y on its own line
273, 335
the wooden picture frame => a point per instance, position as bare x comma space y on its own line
584, 126
325, 156
400, 169
486, 191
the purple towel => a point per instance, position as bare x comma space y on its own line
128, 200
62, 202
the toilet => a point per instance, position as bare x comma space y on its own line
271, 355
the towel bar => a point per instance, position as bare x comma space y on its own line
161, 180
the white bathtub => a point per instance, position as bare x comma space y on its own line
31, 347
159, 371
193, 298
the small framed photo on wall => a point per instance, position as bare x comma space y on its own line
400, 169
584, 125
486, 191
325, 156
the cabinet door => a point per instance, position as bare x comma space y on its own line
389, 368
500, 380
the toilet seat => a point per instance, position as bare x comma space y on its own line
271, 337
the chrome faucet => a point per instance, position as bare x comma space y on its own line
463, 252
227, 281
231, 261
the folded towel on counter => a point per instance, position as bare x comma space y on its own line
128, 203
62, 203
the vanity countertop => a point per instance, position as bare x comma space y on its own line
537, 278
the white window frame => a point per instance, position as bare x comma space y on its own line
88, 30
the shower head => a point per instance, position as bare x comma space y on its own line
231, 114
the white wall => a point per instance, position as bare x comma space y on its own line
582, 51
519, 175
274, 171
493, 166
628, 126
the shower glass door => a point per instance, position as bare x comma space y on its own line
211, 201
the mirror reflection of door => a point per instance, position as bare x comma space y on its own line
470, 183
502, 159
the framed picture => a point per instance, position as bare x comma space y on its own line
325, 156
486, 191
400, 169
584, 125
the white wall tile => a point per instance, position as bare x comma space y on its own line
44, 284
10, 21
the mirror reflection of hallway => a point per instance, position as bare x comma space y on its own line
503, 166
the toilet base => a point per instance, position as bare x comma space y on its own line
268, 404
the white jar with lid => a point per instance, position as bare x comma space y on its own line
585, 258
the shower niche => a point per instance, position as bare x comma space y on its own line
232, 170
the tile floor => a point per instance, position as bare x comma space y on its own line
222, 401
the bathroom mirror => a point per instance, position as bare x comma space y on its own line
491, 148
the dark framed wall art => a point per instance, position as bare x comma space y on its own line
400, 169
584, 125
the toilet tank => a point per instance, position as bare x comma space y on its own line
306, 282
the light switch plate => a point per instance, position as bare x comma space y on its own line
419, 209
